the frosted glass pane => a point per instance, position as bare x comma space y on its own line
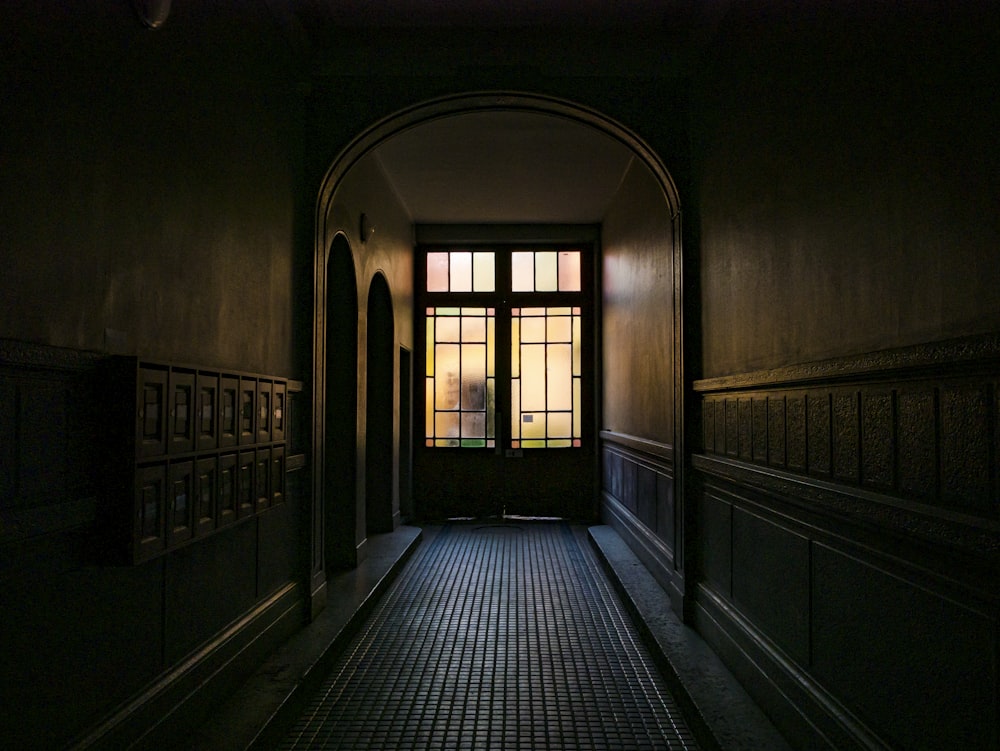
446, 385
473, 425
474, 329
461, 271
560, 377
560, 425
560, 329
522, 271
546, 275
569, 271
437, 272
533, 377
473, 376
532, 329
446, 425
448, 329
491, 400
483, 272
532, 425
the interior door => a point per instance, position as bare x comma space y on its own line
507, 417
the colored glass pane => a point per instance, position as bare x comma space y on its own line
437, 272
522, 271
546, 271
569, 271
483, 272
461, 271
559, 375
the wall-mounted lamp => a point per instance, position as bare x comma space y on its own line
366, 228
152, 12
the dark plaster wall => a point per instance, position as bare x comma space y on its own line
149, 182
846, 166
149, 186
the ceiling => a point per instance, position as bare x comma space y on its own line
504, 167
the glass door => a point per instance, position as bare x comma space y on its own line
507, 413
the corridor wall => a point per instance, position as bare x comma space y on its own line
845, 497
150, 209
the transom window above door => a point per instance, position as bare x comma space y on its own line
527, 303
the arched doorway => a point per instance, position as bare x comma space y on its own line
456, 107
340, 489
380, 451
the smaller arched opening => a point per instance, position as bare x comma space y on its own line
340, 514
380, 504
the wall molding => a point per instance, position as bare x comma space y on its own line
176, 701
907, 519
810, 715
15, 353
657, 449
924, 358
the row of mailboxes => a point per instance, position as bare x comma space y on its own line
176, 502
197, 450
182, 410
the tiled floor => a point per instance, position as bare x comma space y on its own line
495, 636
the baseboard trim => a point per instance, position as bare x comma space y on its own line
171, 706
651, 550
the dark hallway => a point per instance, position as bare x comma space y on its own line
287, 281
496, 635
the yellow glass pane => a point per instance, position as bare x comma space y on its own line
560, 425
515, 409
483, 271
429, 408
526, 312
473, 329
449, 329
515, 348
559, 443
560, 377
569, 271
577, 408
532, 329
491, 339
461, 271
538, 444
446, 384
577, 353
474, 376
446, 425
473, 311
559, 329
522, 271
546, 271
437, 272
532, 425
430, 346
533, 377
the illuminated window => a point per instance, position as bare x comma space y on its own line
545, 271
460, 378
477, 300
545, 383
461, 271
